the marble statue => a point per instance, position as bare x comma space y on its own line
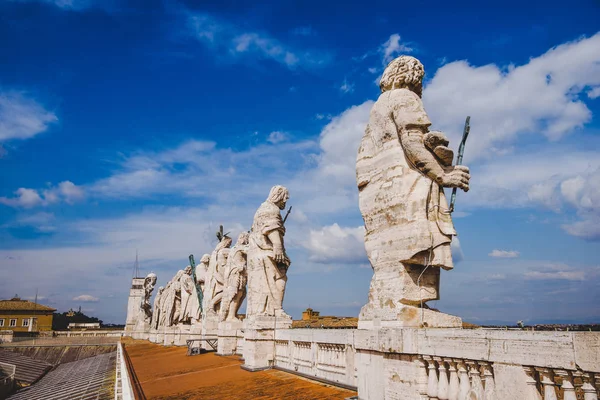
156, 308
401, 170
201, 271
235, 279
190, 305
267, 260
213, 289
171, 307
149, 283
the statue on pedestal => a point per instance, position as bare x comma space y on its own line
267, 260
235, 278
201, 270
213, 290
190, 305
156, 308
146, 307
401, 171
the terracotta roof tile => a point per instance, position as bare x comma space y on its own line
23, 305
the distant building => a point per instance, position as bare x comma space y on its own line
25, 316
312, 319
84, 325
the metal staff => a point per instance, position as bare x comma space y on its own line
461, 150
198, 289
287, 215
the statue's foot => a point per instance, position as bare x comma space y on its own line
281, 313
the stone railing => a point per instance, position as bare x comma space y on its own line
326, 355
446, 364
123, 387
87, 333
455, 364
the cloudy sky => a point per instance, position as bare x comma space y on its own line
144, 125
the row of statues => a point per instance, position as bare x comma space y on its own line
402, 168
256, 266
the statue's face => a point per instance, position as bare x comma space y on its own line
281, 204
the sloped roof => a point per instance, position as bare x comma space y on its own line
327, 322
91, 378
28, 370
17, 304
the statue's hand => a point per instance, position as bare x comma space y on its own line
279, 254
457, 176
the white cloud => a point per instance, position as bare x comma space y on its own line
25, 198
41, 221
65, 191
504, 254
277, 137
335, 244
86, 298
231, 40
556, 275
540, 97
339, 143
457, 253
347, 87
594, 92
392, 47
21, 117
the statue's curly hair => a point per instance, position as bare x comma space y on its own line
277, 193
403, 72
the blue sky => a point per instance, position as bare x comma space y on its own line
144, 125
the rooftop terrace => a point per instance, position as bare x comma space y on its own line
167, 373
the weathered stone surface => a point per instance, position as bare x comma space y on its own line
229, 332
213, 279
267, 260
401, 169
259, 339
235, 278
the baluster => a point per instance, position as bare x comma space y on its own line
432, 380
589, 391
476, 385
567, 385
488, 380
453, 387
442, 380
465, 385
421, 378
548, 383
533, 393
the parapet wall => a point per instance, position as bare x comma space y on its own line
446, 363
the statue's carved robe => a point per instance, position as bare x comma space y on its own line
399, 202
190, 305
235, 279
214, 280
156, 308
264, 295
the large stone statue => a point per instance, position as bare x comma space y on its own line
156, 308
146, 307
213, 289
267, 260
401, 171
235, 278
190, 305
171, 306
201, 270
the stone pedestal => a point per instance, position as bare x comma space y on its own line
210, 328
229, 332
259, 340
141, 330
404, 316
134, 304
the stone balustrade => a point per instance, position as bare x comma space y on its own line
446, 364
326, 355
